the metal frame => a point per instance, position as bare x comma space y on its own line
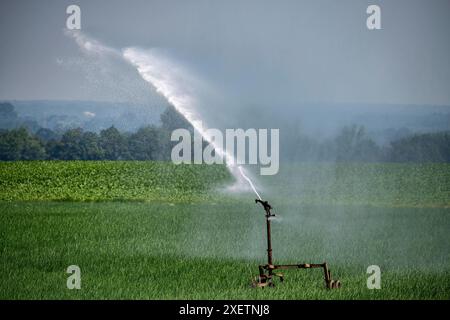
266, 271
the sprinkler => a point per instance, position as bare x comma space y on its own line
266, 272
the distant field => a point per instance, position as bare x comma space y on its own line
108, 180
407, 185
149, 230
375, 184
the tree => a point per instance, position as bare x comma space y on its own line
429, 147
70, 147
9, 146
76, 145
352, 144
54, 149
114, 144
90, 146
18, 144
46, 135
148, 143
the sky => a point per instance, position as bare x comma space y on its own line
251, 51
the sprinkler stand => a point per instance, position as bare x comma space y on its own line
266, 272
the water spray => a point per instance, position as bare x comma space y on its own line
249, 182
266, 271
169, 80
163, 76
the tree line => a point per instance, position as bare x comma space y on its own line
153, 143
352, 144
147, 143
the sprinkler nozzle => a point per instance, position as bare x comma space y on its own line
267, 207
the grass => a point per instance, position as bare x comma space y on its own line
209, 246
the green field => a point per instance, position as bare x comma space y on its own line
150, 230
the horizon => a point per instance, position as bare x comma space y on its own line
268, 52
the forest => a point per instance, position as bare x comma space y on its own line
27, 141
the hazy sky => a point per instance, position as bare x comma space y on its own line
254, 51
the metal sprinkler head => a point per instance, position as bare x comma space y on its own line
266, 272
267, 207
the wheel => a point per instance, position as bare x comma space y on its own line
259, 282
330, 284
